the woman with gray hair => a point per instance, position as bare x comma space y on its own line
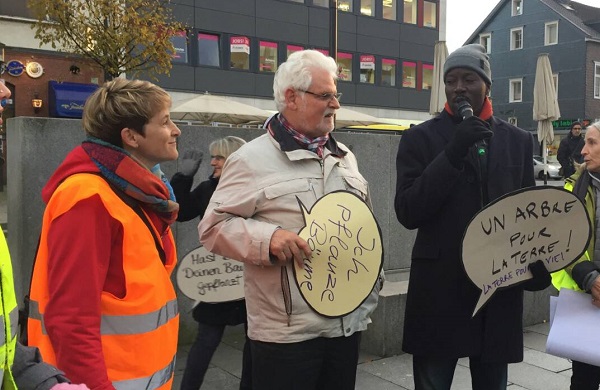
211, 317
583, 274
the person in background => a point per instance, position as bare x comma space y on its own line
569, 150
254, 217
21, 367
103, 308
211, 317
583, 274
443, 180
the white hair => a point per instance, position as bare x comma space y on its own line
296, 73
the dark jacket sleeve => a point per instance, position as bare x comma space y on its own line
192, 203
31, 373
564, 153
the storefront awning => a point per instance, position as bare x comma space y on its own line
66, 100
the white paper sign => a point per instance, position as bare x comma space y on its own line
538, 223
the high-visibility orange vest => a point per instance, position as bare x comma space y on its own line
139, 331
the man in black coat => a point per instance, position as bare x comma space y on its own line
569, 150
443, 181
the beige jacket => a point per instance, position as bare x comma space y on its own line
256, 195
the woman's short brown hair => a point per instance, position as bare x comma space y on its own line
120, 104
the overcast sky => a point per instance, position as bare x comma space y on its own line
464, 16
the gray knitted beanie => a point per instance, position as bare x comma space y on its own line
472, 57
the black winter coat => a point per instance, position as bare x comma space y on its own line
193, 204
440, 200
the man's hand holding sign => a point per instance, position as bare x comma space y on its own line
347, 254
504, 240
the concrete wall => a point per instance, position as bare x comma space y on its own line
36, 146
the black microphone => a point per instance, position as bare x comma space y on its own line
466, 111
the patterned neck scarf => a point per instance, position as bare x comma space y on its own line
126, 173
315, 145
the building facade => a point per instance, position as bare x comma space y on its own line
516, 32
233, 48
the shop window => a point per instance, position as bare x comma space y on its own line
293, 48
367, 7
388, 72
208, 50
410, 11
344, 61
516, 38
367, 69
389, 9
240, 53
409, 74
515, 91
345, 5
486, 41
268, 57
180, 47
551, 33
427, 76
323, 51
429, 14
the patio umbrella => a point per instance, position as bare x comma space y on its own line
347, 117
208, 108
545, 105
438, 95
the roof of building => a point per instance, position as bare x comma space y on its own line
584, 17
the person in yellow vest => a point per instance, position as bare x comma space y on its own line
103, 308
22, 367
584, 273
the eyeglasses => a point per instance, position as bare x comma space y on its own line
324, 96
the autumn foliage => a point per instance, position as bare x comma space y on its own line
121, 36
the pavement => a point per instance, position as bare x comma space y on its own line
538, 371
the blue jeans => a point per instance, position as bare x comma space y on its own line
317, 364
201, 353
437, 374
585, 376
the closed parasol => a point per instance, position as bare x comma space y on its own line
438, 95
545, 105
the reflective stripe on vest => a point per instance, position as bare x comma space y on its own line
14, 322
122, 325
154, 381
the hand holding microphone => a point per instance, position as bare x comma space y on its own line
469, 132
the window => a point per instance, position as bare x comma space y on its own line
517, 7
367, 69
323, 51
551, 33
388, 72
389, 9
344, 61
486, 41
410, 11
345, 5
268, 57
513, 120
596, 80
427, 82
321, 3
297, 1
208, 50
240, 53
409, 74
515, 91
555, 81
367, 7
180, 47
429, 14
516, 38
293, 48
